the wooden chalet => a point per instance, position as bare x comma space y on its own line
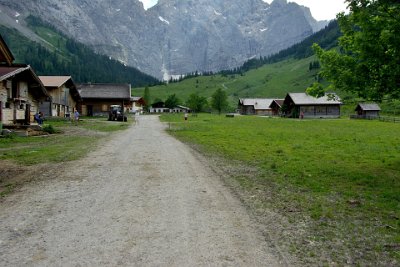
304, 105
137, 104
21, 90
367, 110
64, 96
255, 106
276, 107
97, 98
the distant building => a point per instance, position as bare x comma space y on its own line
97, 98
158, 107
255, 106
297, 104
64, 96
367, 110
137, 104
276, 107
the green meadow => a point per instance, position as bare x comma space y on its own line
341, 177
70, 142
273, 80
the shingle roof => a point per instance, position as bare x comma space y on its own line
258, 103
7, 72
368, 107
105, 91
305, 99
54, 81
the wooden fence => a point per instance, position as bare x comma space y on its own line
380, 118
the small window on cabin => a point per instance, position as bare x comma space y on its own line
104, 108
8, 105
21, 106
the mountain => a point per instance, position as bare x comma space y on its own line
174, 37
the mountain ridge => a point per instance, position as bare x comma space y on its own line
174, 37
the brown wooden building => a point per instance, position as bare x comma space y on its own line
97, 98
64, 96
276, 107
368, 110
255, 106
21, 90
297, 104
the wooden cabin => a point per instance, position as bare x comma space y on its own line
21, 90
255, 106
21, 93
97, 98
367, 110
298, 105
64, 96
276, 107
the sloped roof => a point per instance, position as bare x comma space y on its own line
105, 91
279, 102
8, 72
368, 107
54, 81
305, 99
258, 103
5, 54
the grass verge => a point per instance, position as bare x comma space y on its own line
334, 183
70, 142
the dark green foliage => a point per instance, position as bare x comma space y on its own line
172, 101
69, 57
147, 98
49, 129
219, 100
196, 102
368, 62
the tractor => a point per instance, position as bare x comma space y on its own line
116, 113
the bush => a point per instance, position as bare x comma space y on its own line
49, 129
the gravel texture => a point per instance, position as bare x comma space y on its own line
141, 199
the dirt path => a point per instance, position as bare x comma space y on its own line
143, 199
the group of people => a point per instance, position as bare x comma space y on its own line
39, 117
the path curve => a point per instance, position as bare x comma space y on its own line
142, 199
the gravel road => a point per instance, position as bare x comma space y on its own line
141, 199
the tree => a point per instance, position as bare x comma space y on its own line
219, 100
172, 101
147, 98
368, 62
196, 102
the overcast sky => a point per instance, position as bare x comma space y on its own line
320, 9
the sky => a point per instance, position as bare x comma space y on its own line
320, 9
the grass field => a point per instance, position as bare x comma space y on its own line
73, 142
341, 177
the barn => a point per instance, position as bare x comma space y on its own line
64, 96
255, 106
98, 97
367, 110
307, 106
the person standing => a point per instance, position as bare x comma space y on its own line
76, 116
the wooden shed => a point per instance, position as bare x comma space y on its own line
64, 96
367, 110
276, 107
307, 106
255, 106
98, 97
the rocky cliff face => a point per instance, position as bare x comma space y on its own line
176, 37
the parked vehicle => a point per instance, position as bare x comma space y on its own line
116, 113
